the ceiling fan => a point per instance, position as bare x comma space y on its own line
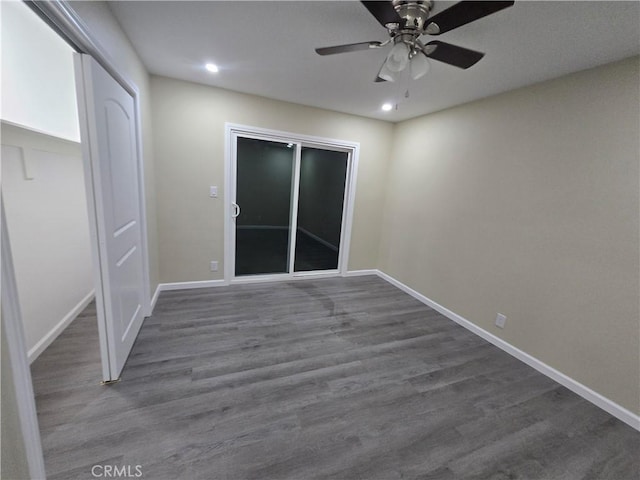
406, 21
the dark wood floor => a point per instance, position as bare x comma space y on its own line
333, 378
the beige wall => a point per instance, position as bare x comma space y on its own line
189, 134
49, 230
526, 204
109, 35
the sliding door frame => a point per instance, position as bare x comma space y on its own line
235, 131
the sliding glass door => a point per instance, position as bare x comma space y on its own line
263, 207
320, 205
288, 207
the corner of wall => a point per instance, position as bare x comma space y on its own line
387, 191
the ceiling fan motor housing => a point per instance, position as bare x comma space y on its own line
414, 13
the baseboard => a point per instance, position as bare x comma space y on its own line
361, 273
154, 299
164, 287
48, 339
585, 392
318, 239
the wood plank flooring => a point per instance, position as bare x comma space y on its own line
343, 378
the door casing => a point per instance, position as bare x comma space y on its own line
234, 131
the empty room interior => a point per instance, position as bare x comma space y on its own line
321, 239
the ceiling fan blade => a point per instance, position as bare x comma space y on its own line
383, 11
453, 55
378, 79
462, 13
351, 47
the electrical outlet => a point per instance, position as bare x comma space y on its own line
214, 266
213, 191
500, 320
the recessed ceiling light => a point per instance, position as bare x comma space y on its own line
386, 107
212, 67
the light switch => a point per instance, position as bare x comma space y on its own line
213, 191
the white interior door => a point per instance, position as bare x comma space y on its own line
108, 127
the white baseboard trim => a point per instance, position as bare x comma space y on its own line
164, 287
585, 392
154, 299
48, 339
361, 273
321, 241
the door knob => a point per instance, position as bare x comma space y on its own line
236, 210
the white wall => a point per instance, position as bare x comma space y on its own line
526, 203
38, 88
48, 229
42, 176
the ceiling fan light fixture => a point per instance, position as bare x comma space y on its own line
387, 74
398, 57
419, 65
387, 107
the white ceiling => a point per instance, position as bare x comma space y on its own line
267, 48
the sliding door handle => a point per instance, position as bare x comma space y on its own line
236, 210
